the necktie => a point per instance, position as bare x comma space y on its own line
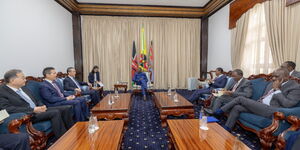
26, 98
235, 87
77, 84
263, 97
57, 89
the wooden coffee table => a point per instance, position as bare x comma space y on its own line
185, 134
108, 136
118, 110
167, 106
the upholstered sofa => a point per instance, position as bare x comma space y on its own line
21, 122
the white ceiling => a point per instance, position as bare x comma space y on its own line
188, 3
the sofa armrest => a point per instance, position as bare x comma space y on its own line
266, 134
295, 125
4, 126
295, 111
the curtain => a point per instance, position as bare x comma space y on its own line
250, 47
238, 39
283, 31
107, 42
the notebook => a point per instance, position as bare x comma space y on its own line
211, 119
3, 114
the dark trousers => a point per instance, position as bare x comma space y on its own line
14, 141
54, 116
66, 113
80, 108
196, 95
95, 96
242, 104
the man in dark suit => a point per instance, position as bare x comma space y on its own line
71, 84
242, 87
290, 66
15, 98
18, 141
282, 93
55, 96
218, 82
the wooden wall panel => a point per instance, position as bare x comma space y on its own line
204, 46
238, 8
291, 2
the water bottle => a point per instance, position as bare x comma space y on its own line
175, 97
203, 120
169, 91
116, 93
91, 127
95, 84
95, 123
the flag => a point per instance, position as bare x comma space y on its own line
134, 61
143, 55
151, 62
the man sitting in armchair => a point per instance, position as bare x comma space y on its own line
141, 79
16, 98
282, 93
55, 96
71, 84
218, 82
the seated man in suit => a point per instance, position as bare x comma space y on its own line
242, 87
71, 84
290, 66
218, 82
18, 141
282, 93
141, 79
16, 98
55, 96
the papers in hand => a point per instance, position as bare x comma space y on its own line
101, 84
3, 114
220, 93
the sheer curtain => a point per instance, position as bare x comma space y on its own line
257, 56
107, 42
283, 30
253, 54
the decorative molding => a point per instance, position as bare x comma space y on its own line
142, 10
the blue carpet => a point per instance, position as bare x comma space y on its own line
144, 127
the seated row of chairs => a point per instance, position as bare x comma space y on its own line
284, 123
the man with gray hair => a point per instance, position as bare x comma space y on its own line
16, 98
290, 66
242, 87
282, 93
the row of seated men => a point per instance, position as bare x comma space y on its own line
58, 106
280, 93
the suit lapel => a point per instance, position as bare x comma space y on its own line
30, 95
51, 86
15, 94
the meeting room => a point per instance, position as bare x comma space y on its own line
150, 75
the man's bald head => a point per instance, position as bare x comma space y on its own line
281, 74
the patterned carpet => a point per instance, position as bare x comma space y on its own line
145, 132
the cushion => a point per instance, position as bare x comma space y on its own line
249, 125
34, 87
258, 121
229, 83
259, 86
44, 126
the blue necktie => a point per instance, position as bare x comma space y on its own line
27, 99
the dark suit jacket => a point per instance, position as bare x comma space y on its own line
13, 103
50, 95
296, 74
92, 78
244, 89
289, 96
219, 82
69, 84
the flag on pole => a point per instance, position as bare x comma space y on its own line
134, 61
151, 62
143, 55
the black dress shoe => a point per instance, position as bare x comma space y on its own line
208, 111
